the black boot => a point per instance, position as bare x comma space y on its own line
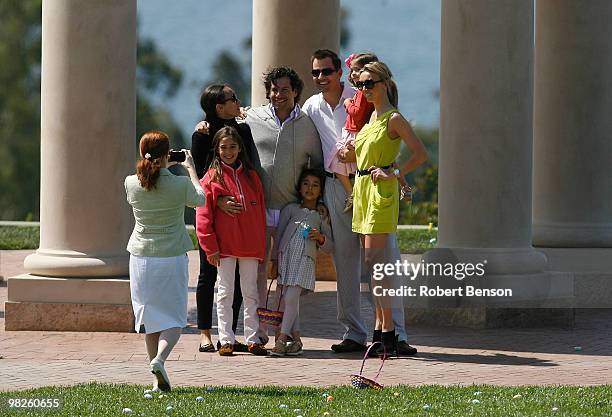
390, 343
376, 337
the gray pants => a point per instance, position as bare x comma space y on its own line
347, 255
348, 261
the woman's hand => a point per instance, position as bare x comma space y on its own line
188, 162
379, 174
347, 102
229, 205
213, 259
243, 112
314, 234
202, 127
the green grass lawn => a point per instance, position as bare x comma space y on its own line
19, 237
22, 237
111, 400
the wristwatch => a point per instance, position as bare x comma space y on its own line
396, 172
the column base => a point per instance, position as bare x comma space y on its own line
592, 272
68, 304
491, 318
572, 235
67, 263
497, 260
68, 317
325, 267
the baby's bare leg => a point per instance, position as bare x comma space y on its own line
346, 183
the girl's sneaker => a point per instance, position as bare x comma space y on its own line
294, 349
280, 349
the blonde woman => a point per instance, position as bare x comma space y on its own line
376, 191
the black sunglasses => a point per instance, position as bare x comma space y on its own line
325, 71
367, 84
232, 98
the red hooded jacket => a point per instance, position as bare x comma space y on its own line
241, 235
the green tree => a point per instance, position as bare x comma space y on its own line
20, 54
227, 68
20, 49
156, 77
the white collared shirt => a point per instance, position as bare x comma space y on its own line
294, 113
329, 122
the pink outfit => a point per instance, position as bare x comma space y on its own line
358, 113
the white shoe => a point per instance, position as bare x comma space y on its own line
157, 368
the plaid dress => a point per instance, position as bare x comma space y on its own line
294, 266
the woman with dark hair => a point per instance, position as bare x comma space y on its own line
221, 107
158, 247
376, 193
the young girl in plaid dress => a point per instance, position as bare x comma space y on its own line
302, 229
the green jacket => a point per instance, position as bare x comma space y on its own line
159, 213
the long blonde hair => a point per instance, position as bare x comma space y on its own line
382, 71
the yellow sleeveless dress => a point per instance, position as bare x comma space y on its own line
375, 206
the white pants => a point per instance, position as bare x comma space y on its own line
225, 297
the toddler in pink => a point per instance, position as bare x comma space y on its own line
358, 112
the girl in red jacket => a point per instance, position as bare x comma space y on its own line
228, 239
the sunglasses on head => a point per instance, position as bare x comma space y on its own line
232, 98
325, 71
367, 84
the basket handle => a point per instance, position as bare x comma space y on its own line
366, 357
268, 294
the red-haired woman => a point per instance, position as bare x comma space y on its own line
158, 247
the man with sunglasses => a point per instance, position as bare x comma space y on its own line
327, 111
287, 141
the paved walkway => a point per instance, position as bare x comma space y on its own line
446, 355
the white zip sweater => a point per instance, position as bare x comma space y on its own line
283, 153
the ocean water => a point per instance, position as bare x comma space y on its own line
403, 33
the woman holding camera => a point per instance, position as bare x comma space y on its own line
158, 248
222, 107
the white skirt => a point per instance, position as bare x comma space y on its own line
158, 287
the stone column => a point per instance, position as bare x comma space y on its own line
486, 92
485, 156
572, 200
286, 33
87, 148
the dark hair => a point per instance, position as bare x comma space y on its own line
212, 95
274, 74
362, 59
327, 53
314, 173
215, 165
381, 70
154, 145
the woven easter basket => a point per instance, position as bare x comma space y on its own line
360, 381
270, 317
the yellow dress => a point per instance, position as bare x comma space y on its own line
375, 206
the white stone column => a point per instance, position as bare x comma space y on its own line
485, 163
485, 155
87, 148
286, 33
573, 125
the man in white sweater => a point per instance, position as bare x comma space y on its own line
287, 141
